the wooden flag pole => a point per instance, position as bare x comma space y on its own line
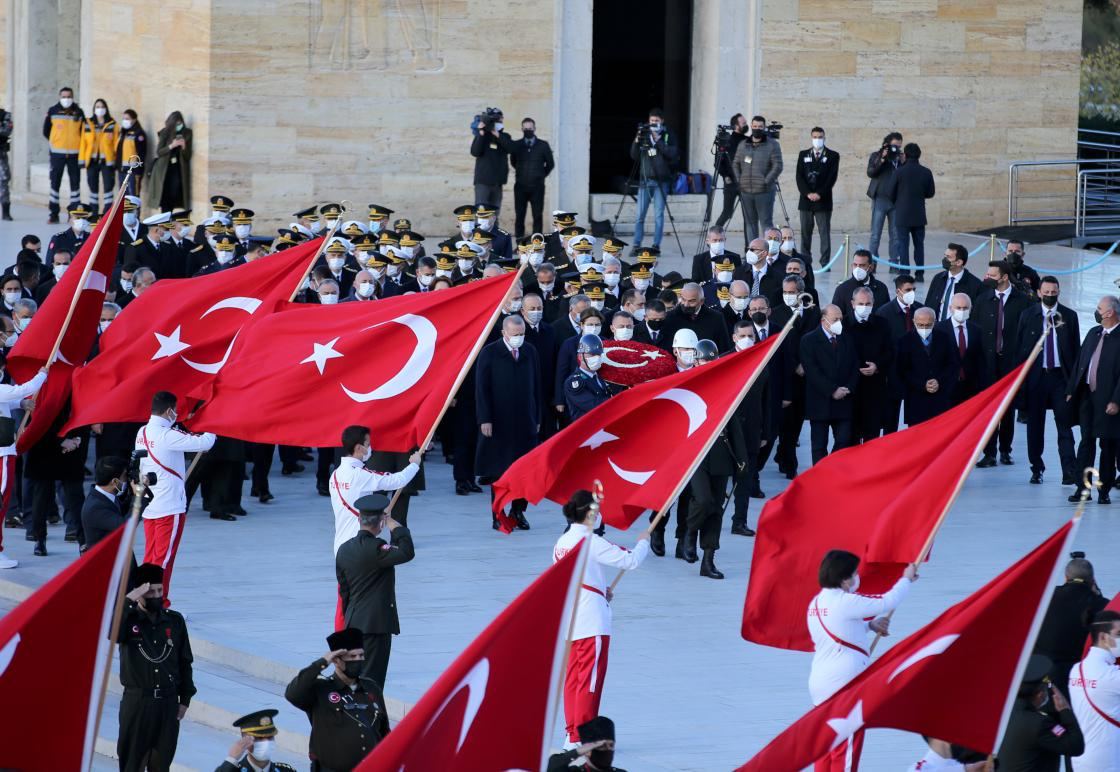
463, 373
1053, 324
806, 301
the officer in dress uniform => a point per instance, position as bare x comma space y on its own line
150, 250
412, 247
132, 229
1042, 727
467, 218
225, 256
242, 228
487, 221
155, 671
220, 207
378, 218
467, 255
554, 250
71, 239
181, 226
253, 750
347, 712
584, 390
614, 247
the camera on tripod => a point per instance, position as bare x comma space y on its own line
645, 135
722, 141
134, 476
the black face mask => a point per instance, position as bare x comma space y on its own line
353, 669
654, 324
989, 283
1049, 300
1015, 257
759, 318
1098, 317
757, 133
946, 263
529, 133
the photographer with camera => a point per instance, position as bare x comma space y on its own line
726, 144
757, 166
655, 152
881, 166
491, 148
816, 176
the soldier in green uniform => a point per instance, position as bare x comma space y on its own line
253, 750
1042, 727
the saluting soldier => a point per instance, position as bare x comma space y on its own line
584, 390
253, 750
1041, 728
347, 711
155, 671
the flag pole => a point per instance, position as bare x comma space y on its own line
806, 301
463, 372
993, 423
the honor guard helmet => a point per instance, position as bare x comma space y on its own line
706, 351
590, 345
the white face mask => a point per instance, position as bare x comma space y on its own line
262, 749
687, 356
99, 112
11, 340
466, 227
924, 332
66, 101
515, 341
1114, 650
365, 289
641, 285
224, 256
536, 258
367, 453
854, 587
485, 223
739, 304
788, 245
908, 298
184, 231
859, 273
328, 224
624, 333
499, 126
316, 227
534, 317
752, 257
242, 231
11, 297
598, 304
773, 245
723, 277
465, 266
717, 248
514, 306
408, 251
593, 362
425, 279
863, 313
960, 315
584, 258
336, 263
165, 236
59, 270
744, 342
377, 273
444, 274
328, 300
21, 323
375, 226
592, 329
104, 324
818, 143
639, 314
213, 242
79, 225
547, 286
126, 123
836, 327
130, 219
612, 279
790, 299
126, 285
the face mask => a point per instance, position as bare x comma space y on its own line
11, 297
924, 332
723, 277
687, 356
547, 286
165, 236
328, 300
11, 340
624, 333
99, 112
59, 270
1014, 257
592, 329
242, 231
593, 362
528, 133
772, 245
639, 314
787, 245
759, 317
1114, 650
130, 219
960, 315
126, 123
1096, 315
717, 248
855, 584
66, 101
515, 341
744, 342
863, 313
514, 306
790, 299
753, 257
536, 258
377, 273
859, 273
79, 225
641, 285
104, 324
224, 257
316, 227
375, 226
365, 289
354, 668
444, 274
655, 324
612, 279
499, 126
836, 328
818, 143
485, 222
126, 285
1049, 300
740, 304
655, 128
465, 266
597, 304
534, 317
908, 298
466, 227
178, 127
409, 251
336, 263
262, 749
989, 282
424, 279
946, 263
22, 322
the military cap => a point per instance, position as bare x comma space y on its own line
481, 237
594, 290
131, 203
352, 229
78, 211
331, 210
444, 263
258, 724
388, 237
221, 203
375, 259
573, 230
507, 264
485, 210
310, 213
464, 212
561, 217
648, 255
570, 277
215, 227
182, 216
350, 637
475, 249
598, 728
366, 243
337, 247
592, 272
1038, 668
379, 212
395, 255
583, 248
447, 246
372, 503
289, 237
242, 216
725, 265
225, 243
259, 241
409, 238
723, 292
301, 230
156, 219
147, 573
641, 272
465, 251
402, 224
614, 245
524, 244
676, 286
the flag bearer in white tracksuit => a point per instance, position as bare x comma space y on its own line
1094, 695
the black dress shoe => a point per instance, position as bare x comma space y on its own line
756, 493
742, 530
472, 486
40, 549
71, 537
987, 462
239, 512
1005, 459
708, 566
13, 521
264, 498
1075, 496
461, 489
657, 543
494, 523
222, 516
290, 469
54, 519
522, 523
1102, 498
1036, 478
1067, 479
791, 474
322, 490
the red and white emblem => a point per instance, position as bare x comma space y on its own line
628, 363
334, 697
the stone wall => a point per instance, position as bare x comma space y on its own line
976, 83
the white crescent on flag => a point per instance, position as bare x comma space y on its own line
940, 646
413, 370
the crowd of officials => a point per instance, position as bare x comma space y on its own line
854, 368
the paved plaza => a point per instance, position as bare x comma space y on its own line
686, 692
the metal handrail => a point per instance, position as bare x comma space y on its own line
1106, 183
1013, 180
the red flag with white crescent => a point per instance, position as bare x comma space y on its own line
628, 362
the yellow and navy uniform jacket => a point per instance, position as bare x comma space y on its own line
63, 129
131, 142
99, 142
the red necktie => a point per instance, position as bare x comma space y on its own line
962, 347
909, 321
999, 323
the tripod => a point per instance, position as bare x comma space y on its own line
637, 171
721, 157
782, 201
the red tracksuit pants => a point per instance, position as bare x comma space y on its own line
583, 684
161, 543
7, 482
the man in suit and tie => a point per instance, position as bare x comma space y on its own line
927, 367
875, 350
648, 328
972, 376
997, 312
955, 278
736, 309
863, 275
568, 326
1045, 386
540, 336
1094, 391
101, 511
764, 272
716, 253
831, 369
792, 415
817, 169
899, 313
909, 188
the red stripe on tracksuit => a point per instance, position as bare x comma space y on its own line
161, 544
583, 684
7, 482
837, 759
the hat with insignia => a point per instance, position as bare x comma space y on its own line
562, 218
156, 219
372, 503
375, 259
182, 216
641, 272
1038, 668
648, 255
598, 728
594, 290
225, 243
337, 247
482, 237
464, 212
507, 264
78, 211
352, 229
388, 237
447, 246
289, 237
395, 255
350, 637
221, 203
402, 224
725, 265
331, 210
147, 573
215, 227
582, 247
591, 272
366, 243
409, 238
676, 286
131, 203
242, 216
379, 212
310, 213
723, 292
613, 245
259, 724
485, 210
466, 250
444, 263
572, 230
524, 244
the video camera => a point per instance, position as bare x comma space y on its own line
774, 130
134, 470
486, 119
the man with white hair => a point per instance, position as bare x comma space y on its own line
927, 366
1094, 388
969, 340
831, 375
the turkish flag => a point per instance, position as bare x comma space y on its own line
34, 347
68, 619
980, 647
494, 707
628, 362
299, 377
641, 444
901, 486
178, 335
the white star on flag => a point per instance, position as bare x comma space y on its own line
846, 727
323, 352
169, 345
652, 354
598, 438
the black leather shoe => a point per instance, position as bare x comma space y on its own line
1102, 498
494, 523
678, 553
54, 519
71, 537
1067, 479
290, 469
322, 490
238, 511
264, 498
1075, 496
657, 543
522, 523
461, 489
1036, 478
40, 549
756, 493
1005, 459
987, 462
742, 530
708, 566
222, 516
472, 486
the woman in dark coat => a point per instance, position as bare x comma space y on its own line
170, 176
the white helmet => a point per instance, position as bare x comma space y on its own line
685, 338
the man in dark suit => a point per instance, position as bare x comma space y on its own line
927, 367
101, 511
955, 278
1094, 390
972, 376
541, 337
793, 372
567, 326
532, 161
764, 272
717, 252
1045, 386
997, 311
875, 350
817, 168
692, 314
365, 568
881, 166
831, 368
650, 328
863, 275
754, 415
909, 188
899, 314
